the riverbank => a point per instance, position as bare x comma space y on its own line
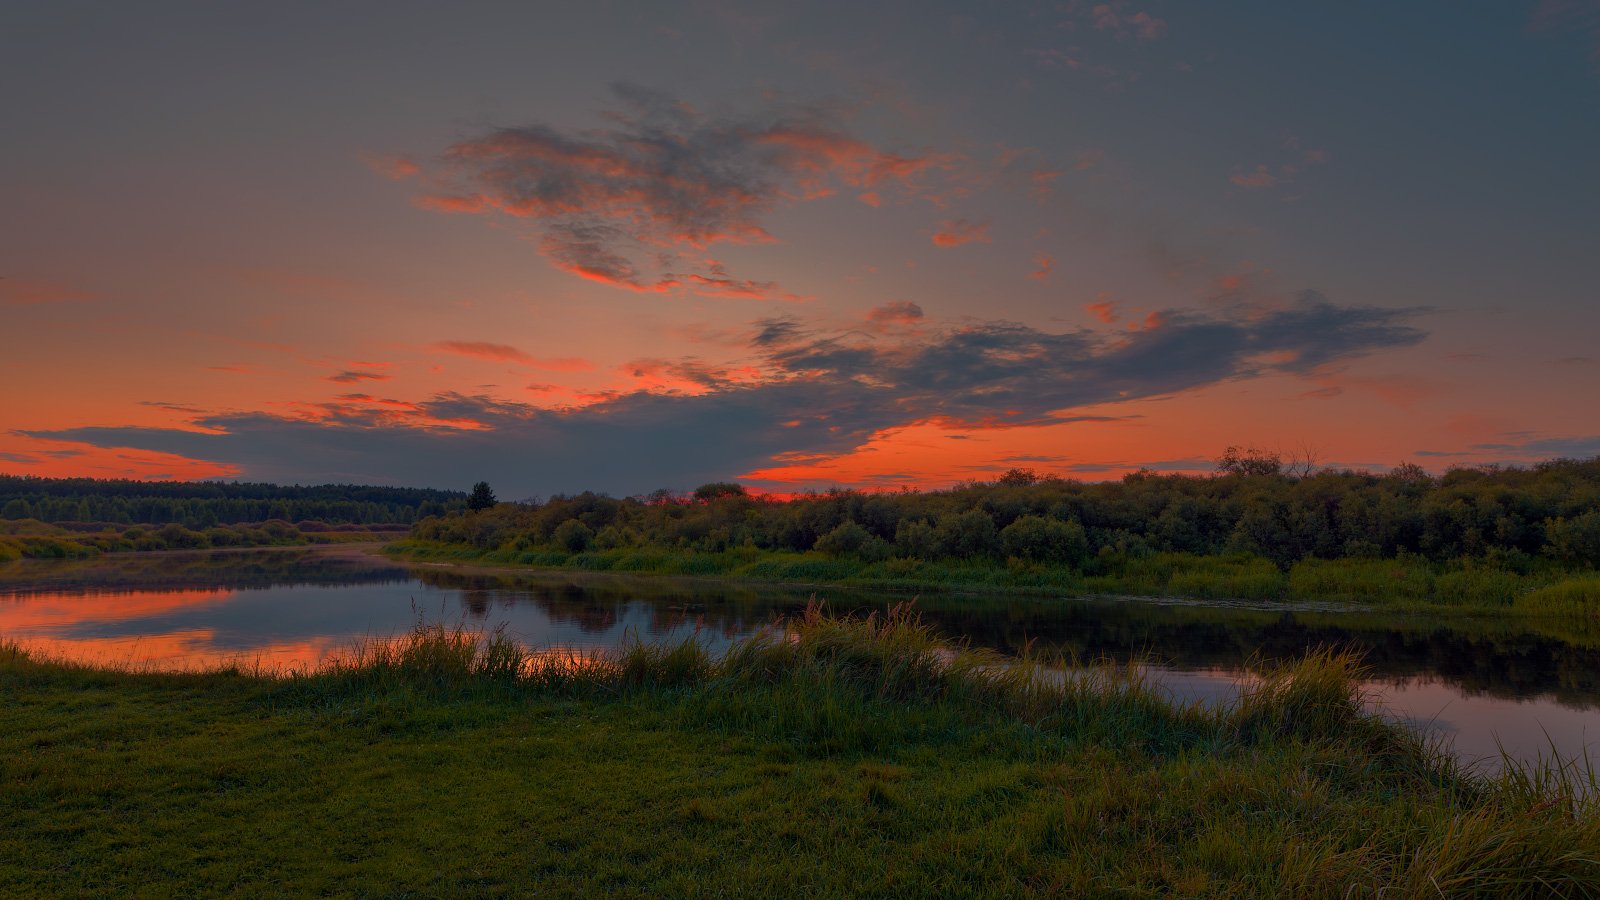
837, 758
1407, 585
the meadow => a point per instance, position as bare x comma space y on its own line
825, 757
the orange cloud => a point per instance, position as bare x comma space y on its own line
955, 232
483, 350
1046, 264
611, 278
395, 168
508, 353
1103, 309
57, 459
720, 285
451, 203
561, 364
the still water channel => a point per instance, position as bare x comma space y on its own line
1482, 684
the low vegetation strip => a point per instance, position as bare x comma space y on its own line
823, 757
1405, 583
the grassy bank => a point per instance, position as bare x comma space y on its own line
829, 758
1405, 583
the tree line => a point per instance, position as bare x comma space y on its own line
205, 504
1253, 504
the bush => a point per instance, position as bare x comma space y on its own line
968, 534
573, 536
1575, 540
916, 539
1040, 539
845, 539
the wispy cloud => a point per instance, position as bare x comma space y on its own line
955, 232
483, 350
352, 376
1293, 158
621, 205
507, 353
1122, 19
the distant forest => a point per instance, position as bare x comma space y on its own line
203, 504
1254, 505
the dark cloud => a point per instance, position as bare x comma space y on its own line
351, 376
895, 312
818, 396
1545, 448
1521, 449
1192, 464
661, 180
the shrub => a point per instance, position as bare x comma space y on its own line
916, 539
1575, 540
1045, 540
967, 534
847, 538
573, 536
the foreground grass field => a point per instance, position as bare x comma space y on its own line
825, 758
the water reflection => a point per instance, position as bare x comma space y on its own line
1481, 679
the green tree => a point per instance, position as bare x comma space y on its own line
482, 497
716, 490
1249, 461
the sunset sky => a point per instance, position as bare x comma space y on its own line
623, 246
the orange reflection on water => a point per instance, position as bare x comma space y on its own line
55, 609
189, 650
35, 621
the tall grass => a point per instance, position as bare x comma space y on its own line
1573, 597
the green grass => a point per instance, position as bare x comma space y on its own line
1572, 596
827, 757
1407, 583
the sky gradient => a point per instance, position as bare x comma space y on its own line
631, 246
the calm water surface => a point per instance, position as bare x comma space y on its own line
1481, 684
